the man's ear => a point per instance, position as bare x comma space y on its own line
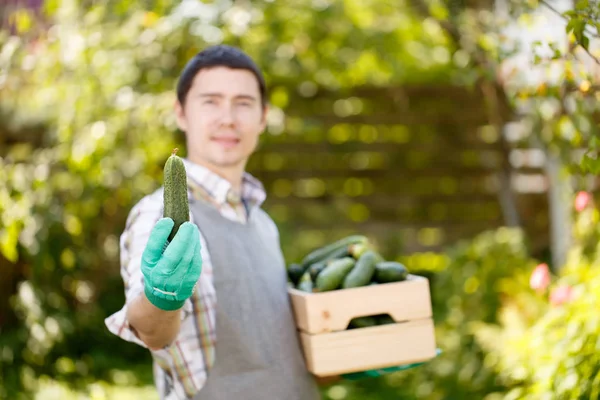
263, 121
180, 116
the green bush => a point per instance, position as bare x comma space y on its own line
467, 290
555, 356
548, 344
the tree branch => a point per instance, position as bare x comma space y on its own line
554, 10
551, 8
591, 55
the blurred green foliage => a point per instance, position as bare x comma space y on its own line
547, 342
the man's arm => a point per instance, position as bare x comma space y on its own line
155, 327
170, 274
140, 321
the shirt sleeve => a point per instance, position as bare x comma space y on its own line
140, 222
186, 360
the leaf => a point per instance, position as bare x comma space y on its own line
585, 42
557, 54
578, 27
582, 4
573, 24
590, 164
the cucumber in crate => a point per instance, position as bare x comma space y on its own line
356, 311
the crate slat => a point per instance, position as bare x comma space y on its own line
332, 311
369, 348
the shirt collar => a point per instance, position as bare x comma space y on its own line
219, 188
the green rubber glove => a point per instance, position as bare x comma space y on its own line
171, 270
374, 373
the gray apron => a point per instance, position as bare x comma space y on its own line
258, 354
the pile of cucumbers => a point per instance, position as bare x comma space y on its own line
346, 263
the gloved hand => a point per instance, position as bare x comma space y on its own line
374, 373
171, 270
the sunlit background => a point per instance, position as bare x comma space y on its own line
460, 136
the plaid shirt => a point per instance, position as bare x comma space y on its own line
180, 370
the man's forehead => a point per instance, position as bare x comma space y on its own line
225, 79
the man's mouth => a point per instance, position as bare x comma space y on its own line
228, 141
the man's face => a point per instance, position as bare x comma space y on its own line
223, 117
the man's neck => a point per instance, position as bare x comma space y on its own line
233, 175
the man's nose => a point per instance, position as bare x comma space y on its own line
227, 114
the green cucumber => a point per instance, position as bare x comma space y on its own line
384, 319
390, 271
175, 196
295, 272
325, 252
333, 275
362, 322
379, 257
339, 253
357, 250
305, 284
315, 269
362, 272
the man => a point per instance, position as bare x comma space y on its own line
222, 327
213, 307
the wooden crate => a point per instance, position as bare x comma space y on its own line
331, 349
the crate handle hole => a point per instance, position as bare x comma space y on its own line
370, 320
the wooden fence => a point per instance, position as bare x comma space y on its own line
415, 168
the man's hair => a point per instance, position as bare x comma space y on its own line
218, 56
